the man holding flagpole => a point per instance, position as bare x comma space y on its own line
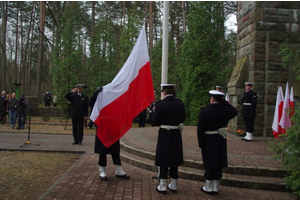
130, 92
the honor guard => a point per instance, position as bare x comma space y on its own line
249, 102
211, 132
169, 114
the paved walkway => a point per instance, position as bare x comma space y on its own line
82, 180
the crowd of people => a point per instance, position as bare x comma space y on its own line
169, 115
14, 108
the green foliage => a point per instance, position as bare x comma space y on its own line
204, 56
288, 152
45, 118
289, 56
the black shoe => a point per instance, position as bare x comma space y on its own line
164, 192
125, 176
248, 140
75, 142
103, 178
79, 143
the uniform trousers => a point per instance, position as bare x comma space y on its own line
213, 174
77, 123
103, 161
249, 122
163, 172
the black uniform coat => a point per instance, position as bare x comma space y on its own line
214, 146
249, 110
79, 104
99, 146
169, 111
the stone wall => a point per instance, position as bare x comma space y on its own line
262, 27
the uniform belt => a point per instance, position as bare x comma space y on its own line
247, 104
211, 132
168, 127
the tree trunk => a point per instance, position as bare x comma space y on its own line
3, 45
41, 41
183, 17
150, 29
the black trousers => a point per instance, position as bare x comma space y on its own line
77, 123
213, 174
249, 122
163, 172
103, 161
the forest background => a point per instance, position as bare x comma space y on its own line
54, 45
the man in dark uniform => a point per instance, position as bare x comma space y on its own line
114, 150
169, 114
79, 111
47, 99
249, 102
211, 132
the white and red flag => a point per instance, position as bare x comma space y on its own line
292, 106
126, 96
278, 113
227, 97
285, 121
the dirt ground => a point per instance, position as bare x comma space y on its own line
27, 175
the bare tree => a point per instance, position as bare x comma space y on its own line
3, 45
41, 41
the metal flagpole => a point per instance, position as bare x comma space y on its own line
164, 70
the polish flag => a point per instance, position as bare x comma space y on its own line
292, 106
285, 122
227, 97
126, 96
278, 113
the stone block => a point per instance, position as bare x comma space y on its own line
275, 66
259, 36
272, 76
258, 76
257, 57
259, 119
259, 47
269, 26
256, 15
278, 36
276, 18
274, 57
257, 66
272, 47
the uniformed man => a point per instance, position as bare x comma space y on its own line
79, 111
249, 102
211, 132
169, 114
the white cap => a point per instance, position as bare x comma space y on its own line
216, 93
248, 83
167, 86
218, 87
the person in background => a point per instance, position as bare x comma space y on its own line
169, 114
54, 100
47, 99
249, 102
12, 109
5, 110
211, 132
114, 149
79, 111
2, 98
22, 105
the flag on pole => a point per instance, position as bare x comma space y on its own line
278, 113
227, 97
292, 106
126, 96
285, 122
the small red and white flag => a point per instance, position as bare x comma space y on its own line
278, 113
227, 97
292, 106
285, 121
126, 96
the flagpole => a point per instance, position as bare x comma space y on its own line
164, 68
